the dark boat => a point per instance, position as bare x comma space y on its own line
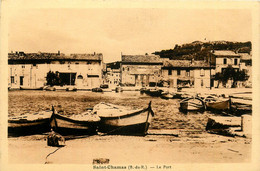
80, 124
214, 103
192, 104
97, 89
121, 120
31, 88
167, 96
154, 92
27, 124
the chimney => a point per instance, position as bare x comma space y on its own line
94, 53
58, 52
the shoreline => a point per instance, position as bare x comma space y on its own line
188, 147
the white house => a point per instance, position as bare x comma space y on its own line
30, 69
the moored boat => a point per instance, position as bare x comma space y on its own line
154, 92
121, 120
27, 124
217, 103
192, 104
31, 88
167, 96
80, 124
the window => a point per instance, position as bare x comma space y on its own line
225, 61
202, 72
178, 72
201, 83
169, 72
23, 66
235, 61
34, 64
12, 79
187, 72
21, 80
76, 63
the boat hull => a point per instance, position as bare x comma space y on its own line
192, 104
29, 88
220, 105
67, 126
25, 125
136, 123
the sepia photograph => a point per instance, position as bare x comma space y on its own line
142, 85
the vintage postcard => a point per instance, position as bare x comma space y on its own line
129, 85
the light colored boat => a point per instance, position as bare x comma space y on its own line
167, 96
30, 123
192, 104
84, 123
123, 120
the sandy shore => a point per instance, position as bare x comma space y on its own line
188, 147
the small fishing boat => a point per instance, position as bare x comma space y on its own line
71, 89
118, 89
155, 92
97, 89
27, 124
213, 103
121, 120
241, 106
167, 96
80, 124
31, 88
192, 104
50, 88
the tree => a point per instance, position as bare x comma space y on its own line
53, 79
231, 73
219, 77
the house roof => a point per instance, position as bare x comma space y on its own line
53, 56
226, 53
185, 64
141, 59
245, 56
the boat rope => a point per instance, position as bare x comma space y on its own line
46, 162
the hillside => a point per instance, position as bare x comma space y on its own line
201, 50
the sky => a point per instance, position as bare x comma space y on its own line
128, 31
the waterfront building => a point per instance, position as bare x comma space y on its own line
140, 70
187, 73
83, 71
113, 74
225, 58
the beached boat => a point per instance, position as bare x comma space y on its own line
121, 120
154, 92
97, 89
167, 96
29, 123
192, 104
80, 124
213, 103
31, 88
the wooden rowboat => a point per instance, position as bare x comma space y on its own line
81, 124
167, 96
154, 92
29, 123
31, 88
192, 104
122, 120
213, 103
